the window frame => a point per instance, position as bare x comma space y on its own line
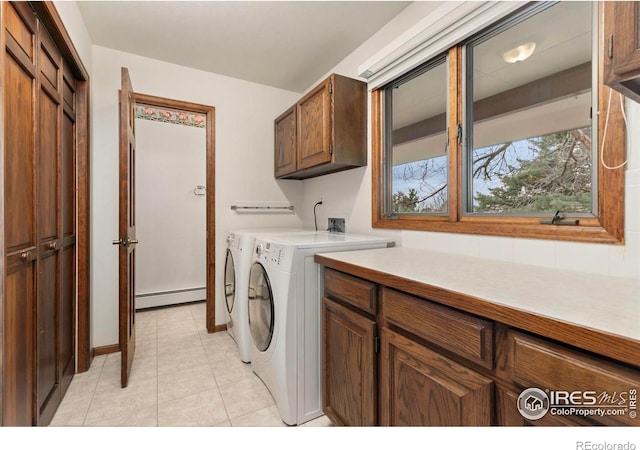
442, 59
606, 227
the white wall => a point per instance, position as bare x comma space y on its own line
74, 23
171, 221
348, 194
244, 162
244, 145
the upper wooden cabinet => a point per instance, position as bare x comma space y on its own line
330, 130
622, 33
285, 143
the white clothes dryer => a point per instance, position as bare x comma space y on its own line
284, 298
236, 279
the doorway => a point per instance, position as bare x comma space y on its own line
177, 113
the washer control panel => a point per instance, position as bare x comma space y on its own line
270, 254
231, 239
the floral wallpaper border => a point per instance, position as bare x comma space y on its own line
170, 116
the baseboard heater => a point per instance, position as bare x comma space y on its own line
174, 297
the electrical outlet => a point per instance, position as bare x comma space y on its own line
337, 225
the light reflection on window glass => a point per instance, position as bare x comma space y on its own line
419, 162
531, 149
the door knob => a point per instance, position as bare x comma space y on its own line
53, 245
25, 256
125, 243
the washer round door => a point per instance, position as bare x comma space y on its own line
229, 281
261, 311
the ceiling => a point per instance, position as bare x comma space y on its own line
285, 44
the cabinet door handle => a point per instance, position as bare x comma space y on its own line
26, 256
53, 245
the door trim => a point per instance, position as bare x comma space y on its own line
209, 112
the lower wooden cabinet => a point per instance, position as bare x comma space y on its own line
348, 366
419, 387
507, 414
394, 359
580, 381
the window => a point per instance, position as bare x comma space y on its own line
501, 134
417, 159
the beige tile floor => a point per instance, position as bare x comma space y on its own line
181, 376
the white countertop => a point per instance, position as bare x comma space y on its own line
602, 303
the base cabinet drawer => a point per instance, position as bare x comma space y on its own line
354, 291
574, 381
419, 387
507, 414
463, 334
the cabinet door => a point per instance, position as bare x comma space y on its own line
315, 143
348, 366
68, 270
20, 250
48, 219
285, 158
622, 26
420, 387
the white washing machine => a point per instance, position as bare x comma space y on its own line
236, 275
285, 289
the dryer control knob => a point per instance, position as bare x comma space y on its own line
259, 249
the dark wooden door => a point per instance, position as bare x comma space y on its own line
20, 246
348, 366
314, 126
48, 219
423, 388
127, 227
39, 199
56, 212
68, 231
285, 143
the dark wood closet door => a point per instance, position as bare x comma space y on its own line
67, 320
39, 221
48, 220
20, 252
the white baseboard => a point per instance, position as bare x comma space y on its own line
177, 297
